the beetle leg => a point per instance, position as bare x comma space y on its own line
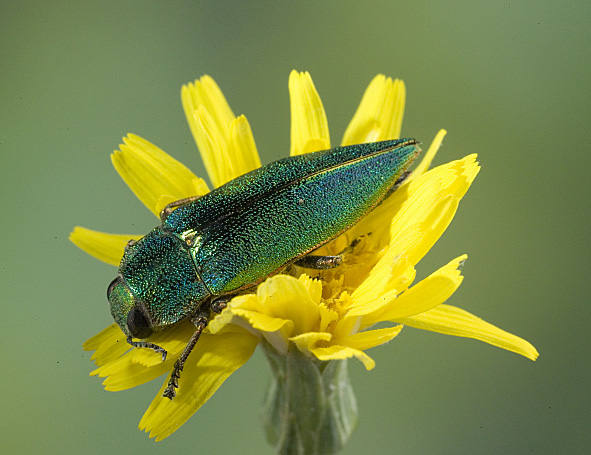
173, 205
200, 320
219, 303
396, 185
129, 244
319, 262
352, 245
316, 262
147, 344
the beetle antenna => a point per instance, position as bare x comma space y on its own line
147, 344
200, 321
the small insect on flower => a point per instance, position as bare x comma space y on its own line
209, 249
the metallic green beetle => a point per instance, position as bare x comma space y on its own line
231, 239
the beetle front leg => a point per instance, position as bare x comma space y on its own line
200, 320
173, 205
147, 344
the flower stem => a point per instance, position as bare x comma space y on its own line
310, 407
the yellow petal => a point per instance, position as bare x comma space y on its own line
212, 145
242, 150
343, 352
141, 365
432, 202
216, 357
314, 290
273, 329
313, 145
379, 115
285, 297
391, 275
126, 374
361, 317
455, 321
327, 316
226, 157
108, 248
370, 338
428, 157
227, 316
313, 287
150, 173
206, 93
307, 341
264, 322
309, 127
225, 142
347, 326
427, 294
108, 345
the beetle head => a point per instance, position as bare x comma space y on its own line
157, 285
125, 310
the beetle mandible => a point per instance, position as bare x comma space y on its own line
210, 248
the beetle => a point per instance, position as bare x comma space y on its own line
210, 248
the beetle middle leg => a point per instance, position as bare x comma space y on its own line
316, 262
218, 304
173, 205
200, 319
319, 262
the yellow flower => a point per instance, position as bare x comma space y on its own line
326, 317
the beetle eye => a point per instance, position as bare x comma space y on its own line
137, 324
112, 285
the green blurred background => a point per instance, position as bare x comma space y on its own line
508, 80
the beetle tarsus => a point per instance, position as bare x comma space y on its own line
147, 344
200, 321
173, 383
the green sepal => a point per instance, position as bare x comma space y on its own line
310, 407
